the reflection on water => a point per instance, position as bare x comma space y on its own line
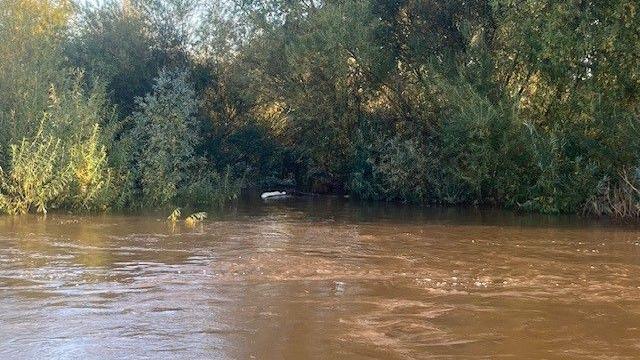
319, 279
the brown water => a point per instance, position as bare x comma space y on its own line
319, 280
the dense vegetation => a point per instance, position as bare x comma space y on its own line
531, 105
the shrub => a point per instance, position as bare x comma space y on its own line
165, 135
561, 182
38, 175
64, 163
473, 144
393, 169
30, 62
211, 190
91, 185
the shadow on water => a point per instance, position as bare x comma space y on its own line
346, 210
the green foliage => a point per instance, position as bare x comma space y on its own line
158, 156
165, 134
38, 177
563, 183
477, 145
427, 101
532, 105
64, 162
91, 187
126, 48
394, 169
190, 220
618, 200
50, 144
30, 63
211, 189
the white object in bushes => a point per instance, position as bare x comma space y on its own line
273, 194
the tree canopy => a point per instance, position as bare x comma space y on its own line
531, 105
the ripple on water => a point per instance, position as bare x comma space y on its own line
317, 283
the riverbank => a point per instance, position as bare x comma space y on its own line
485, 105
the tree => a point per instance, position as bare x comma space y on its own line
165, 134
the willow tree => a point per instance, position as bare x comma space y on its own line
164, 135
30, 62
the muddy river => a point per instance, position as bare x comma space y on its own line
319, 279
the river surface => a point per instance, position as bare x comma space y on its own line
319, 279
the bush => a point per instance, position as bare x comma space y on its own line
30, 63
64, 163
211, 190
391, 169
561, 183
38, 177
164, 140
91, 187
165, 134
619, 199
478, 138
